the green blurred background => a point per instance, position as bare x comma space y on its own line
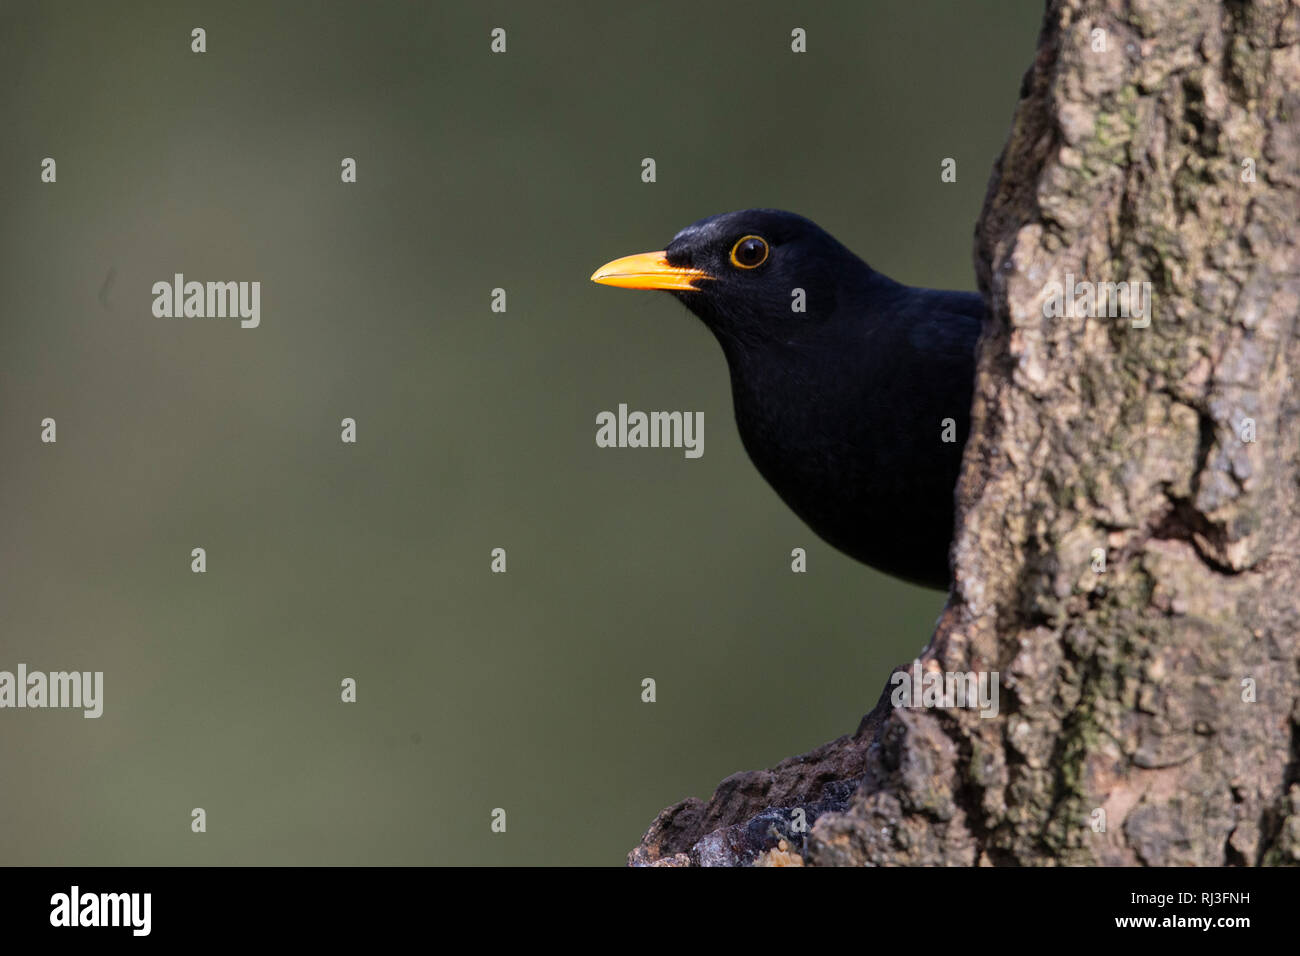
476, 430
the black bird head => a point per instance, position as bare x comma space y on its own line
841, 378
752, 276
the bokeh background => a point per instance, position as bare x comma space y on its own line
476, 429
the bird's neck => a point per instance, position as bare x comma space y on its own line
790, 396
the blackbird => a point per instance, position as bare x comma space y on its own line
852, 391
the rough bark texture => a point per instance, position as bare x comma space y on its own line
1127, 690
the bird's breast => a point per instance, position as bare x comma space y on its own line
857, 450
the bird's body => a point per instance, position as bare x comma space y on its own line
856, 409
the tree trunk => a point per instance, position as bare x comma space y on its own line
1150, 706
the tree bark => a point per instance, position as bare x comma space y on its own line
1150, 710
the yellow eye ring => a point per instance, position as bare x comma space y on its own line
750, 251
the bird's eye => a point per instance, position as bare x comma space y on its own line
749, 252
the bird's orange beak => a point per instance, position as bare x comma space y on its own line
649, 270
